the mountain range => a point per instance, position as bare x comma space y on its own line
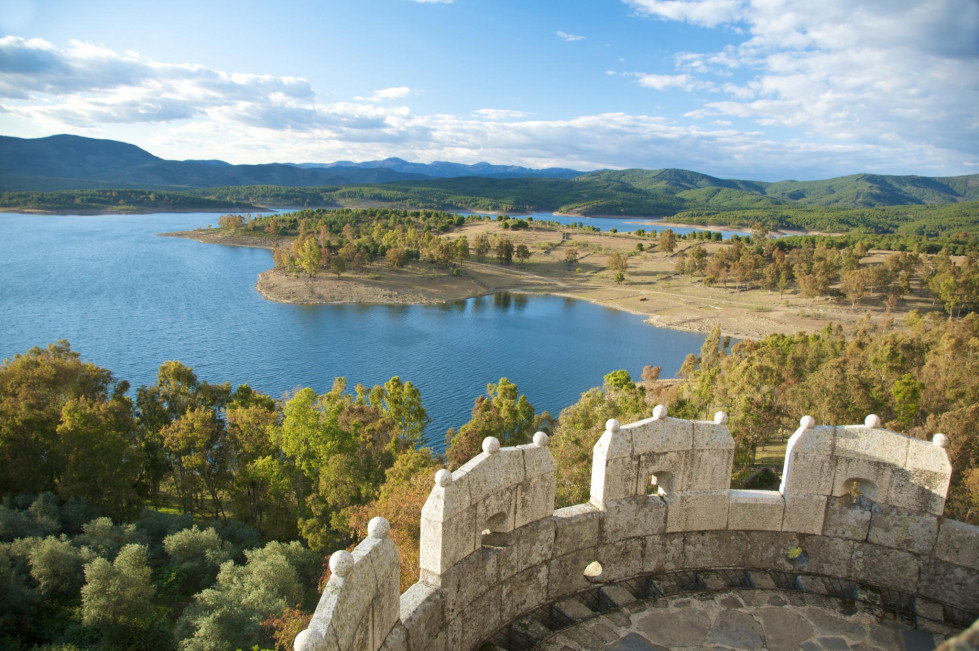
67, 162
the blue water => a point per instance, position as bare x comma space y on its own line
128, 301
621, 224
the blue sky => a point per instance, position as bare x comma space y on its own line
760, 89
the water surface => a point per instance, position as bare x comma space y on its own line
128, 300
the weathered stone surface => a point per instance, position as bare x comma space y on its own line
785, 629
665, 435
709, 468
530, 545
697, 511
892, 568
846, 519
808, 468
669, 468
663, 553
535, 499
537, 460
396, 639
445, 543
422, 614
804, 513
901, 529
878, 473
565, 574
633, 517
830, 556
615, 480
477, 622
713, 549
496, 513
577, 527
446, 501
490, 473
523, 592
735, 629
921, 485
755, 510
468, 579
862, 442
618, 595
768, 550
621, 560
958, 543
675, 628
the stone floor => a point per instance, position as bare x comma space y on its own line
742, 619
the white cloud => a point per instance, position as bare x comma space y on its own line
499, 114
664, 82
570, 38
895, 73
707, 13
397, 92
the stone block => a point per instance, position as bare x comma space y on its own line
387, 572
477, 622
878, 473
804, 513
808, 474
950, 583
663, 553
830, 556
621, 560
537, 460
445, 501
894, 527
846, 519
755, 510
613, 480
697, 511
669, 468
530, 545
861, 442
423, 615
495, 512
523, 592
577, 527
618, 595
808, 465
565, 574
491, 473
922, 484
958, 543
396, 639
714, 549
445, 543
883, 566
633, 517
535, 499
709, 465
465, 581
351, 617
658, 436
769, 550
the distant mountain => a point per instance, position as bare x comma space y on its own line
73, 162
858, 190
443, 169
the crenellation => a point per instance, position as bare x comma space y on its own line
857, 506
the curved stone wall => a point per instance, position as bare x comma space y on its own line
859, 507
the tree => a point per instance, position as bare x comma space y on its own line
482, 246
617, 262
396, 257
522, 253
117, 597
338, 265
571, 255
502, 413
310, 256
667, 241
58, 566
462, 248
504, 250
196, 554
854, 285
907, 399
197, 445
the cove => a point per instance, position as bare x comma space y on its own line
128, 301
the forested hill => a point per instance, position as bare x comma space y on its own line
857, 190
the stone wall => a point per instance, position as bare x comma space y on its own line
858, 505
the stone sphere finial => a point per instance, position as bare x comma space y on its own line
491, 445
341, 563
378, 527
659, 412
443, 477
540, 439
872, 420
309, 640
807, 422
940, 440
611, 425
720, 418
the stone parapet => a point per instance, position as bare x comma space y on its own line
859, 508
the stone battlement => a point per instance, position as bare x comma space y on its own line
858, 505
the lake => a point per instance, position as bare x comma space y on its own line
128, 301
623, 224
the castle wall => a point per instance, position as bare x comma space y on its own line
857, 503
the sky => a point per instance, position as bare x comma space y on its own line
753, 89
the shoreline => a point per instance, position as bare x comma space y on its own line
661, 305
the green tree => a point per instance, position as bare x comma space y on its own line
907, 399
667, 241
117, 597
522, 253
504, 250
502, 412
482, 246
196, 555
309, 255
